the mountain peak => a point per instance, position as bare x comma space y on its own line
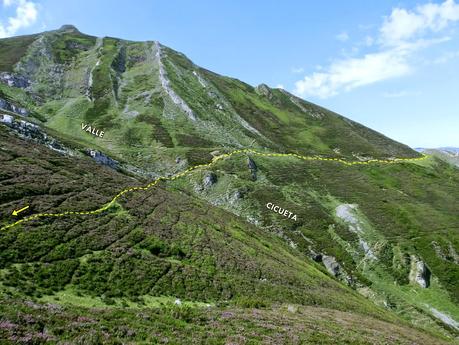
68, 27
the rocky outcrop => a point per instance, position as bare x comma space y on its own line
14, 80
313, 111
69, 28
419, 273
335, 269
332, 266
446, 254
317, 257
252, 167
33, 132
168, 89
235, 197
348, 213
103, 159
446, 319
8, 106
209, 180
119, 62
264, 90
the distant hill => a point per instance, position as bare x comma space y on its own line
449, 154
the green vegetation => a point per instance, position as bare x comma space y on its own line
12, 49
208, 239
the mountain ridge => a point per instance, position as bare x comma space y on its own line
369, 240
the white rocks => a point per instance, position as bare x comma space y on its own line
366, 249
419, 273
332, 266
446, 319
346, 213
33, 132
14, 80
6, 119
335, 269
209, 179
167, 88
8, 106
200, 79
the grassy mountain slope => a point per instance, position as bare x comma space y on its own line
149, 250
376, 241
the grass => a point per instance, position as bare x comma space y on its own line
12, 49
218, 244
215, 325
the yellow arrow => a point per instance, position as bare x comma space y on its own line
16, 212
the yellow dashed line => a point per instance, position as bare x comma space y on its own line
214, 160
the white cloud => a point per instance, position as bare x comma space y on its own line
25, 16
403, 25
280, 86
297, 70
401, 35
351, 73
343, 36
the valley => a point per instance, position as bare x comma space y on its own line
153, 191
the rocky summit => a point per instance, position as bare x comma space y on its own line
132, 179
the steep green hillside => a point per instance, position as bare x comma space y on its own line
371, 255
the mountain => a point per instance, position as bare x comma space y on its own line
448, 154
169, 202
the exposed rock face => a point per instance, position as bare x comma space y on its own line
348, 213
332, 266
236, 196
419, 273
33, 132
168, 89
4, 104
335, 269
6, 119
447, 254
41, 69
209, 180
68, 28
103, 159
14, 80
253, 168
264, 90
317, 257
446, 319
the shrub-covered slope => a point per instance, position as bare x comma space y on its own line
375, 240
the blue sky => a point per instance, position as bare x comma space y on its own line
392, 65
